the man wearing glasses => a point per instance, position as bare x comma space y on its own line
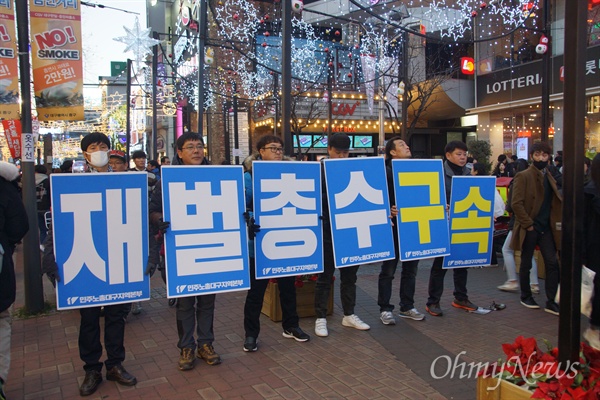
270, 148
194, 312
117, 161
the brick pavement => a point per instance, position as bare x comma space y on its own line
387, 362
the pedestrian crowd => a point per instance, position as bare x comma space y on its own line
534, 202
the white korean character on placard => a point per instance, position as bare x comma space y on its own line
361, 220
276, 244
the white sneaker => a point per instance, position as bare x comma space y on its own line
387, 318
353, 321
509, 286
412, 314
593, 337
321, 327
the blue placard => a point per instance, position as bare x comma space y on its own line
421, 201
287, 206
471, 221
100, 227
359, 209
206, 248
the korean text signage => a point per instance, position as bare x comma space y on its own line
421, 202
471, 221
287, 206
56, 58
525, 81
9, 73
357, 196
100, 238
206, 248
12, 132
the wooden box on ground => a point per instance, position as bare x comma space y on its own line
491, 389
305, 301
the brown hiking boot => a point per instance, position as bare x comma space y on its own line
186, 359
208, 354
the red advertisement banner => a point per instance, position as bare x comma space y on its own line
57, 59
12, 131
9, 72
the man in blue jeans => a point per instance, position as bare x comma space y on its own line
397, 149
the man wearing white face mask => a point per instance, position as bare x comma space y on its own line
95, 147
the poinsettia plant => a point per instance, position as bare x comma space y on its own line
540, 371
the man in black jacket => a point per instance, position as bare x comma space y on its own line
194, 313
454, 165
13, 226
396, 148
95, 147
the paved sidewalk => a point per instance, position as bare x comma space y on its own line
387, 362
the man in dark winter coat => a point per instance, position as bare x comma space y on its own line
95, 147
195, 314
13, 226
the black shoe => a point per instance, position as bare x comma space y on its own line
121, 376
90, 383
297, 334
529, 303
250, 344
434, 309
551, 307
464, 304
172, 302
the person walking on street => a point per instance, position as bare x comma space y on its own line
13, 227
42, 192
591, 249
537, 205
508, 254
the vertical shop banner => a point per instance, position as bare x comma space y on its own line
421, 201
359, 209
100, 224
56, 59
287, 206
471, 221
9, 70
206, 245
12, 132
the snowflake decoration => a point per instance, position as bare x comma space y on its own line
453, 18
138, 41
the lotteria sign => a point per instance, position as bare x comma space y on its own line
525, 81
467, 65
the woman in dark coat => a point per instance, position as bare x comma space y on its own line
591, 249
13, 226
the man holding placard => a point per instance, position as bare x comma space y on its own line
454, 165
338, 147
397, 149
194, 313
